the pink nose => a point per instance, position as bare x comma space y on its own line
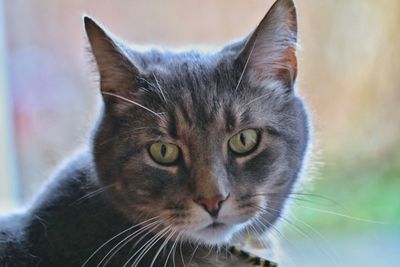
212, 205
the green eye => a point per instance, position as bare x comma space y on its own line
164, 153
244, 142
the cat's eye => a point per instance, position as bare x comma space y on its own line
244, 142
164, 153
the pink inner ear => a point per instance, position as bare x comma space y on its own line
282, 65
273, 44
289, 65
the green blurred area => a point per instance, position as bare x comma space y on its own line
351, 217
353, 196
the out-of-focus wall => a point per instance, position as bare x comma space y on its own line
7, 159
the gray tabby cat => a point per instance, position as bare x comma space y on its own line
191, 153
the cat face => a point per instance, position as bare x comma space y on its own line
205, 146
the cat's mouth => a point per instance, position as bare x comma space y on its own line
214, 233
215, 225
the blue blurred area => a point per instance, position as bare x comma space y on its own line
9, 182
367, 250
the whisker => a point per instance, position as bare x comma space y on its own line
257, 98
258, 234
114, 237
320, 197
159, 87
176, 241
122, 138
343, 215
161, 247
140, 239
245, 67
169, 254
123, 242
298, 229
193, 253
133, 102
280, 234
180, 250
294, 195
330, 253
331, 212
147, 246
94, 193
271, 226
144, 246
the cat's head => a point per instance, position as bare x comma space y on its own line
206, 145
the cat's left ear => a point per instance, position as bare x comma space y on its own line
270, 51
118, 74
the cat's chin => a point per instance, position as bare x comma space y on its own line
215, 233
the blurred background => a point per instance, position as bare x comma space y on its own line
349, 74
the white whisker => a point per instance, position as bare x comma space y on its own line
94, 193
114, 237
258, 98
193, 253
281, 235
180, 250
330, 253
126, 240
161, 247
147, 246
342, 215
133, 102
159, 87
245, 67
169, 254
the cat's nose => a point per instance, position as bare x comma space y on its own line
212, 205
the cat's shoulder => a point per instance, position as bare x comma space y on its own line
73, 179
14, 251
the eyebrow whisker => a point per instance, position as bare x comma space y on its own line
159, 87
133, 102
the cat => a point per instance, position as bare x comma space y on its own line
192, 152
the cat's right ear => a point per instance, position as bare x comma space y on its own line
270, 51
118, 74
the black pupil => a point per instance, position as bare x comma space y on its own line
163, 150
242, 139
